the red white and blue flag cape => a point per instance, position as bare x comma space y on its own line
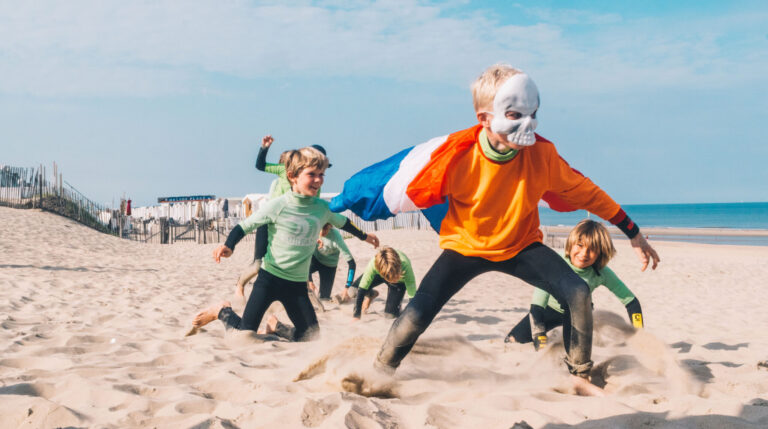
412, 180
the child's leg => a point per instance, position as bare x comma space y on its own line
542, 267
395, 294
263, 294
259, 250
523, 333
295, 299
450, 272
364, 296
327, 276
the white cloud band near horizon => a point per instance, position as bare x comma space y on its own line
91, 48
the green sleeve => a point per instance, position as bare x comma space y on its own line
615, 285
342, 246
264, 215
540, 297
275, 168
408, 277
367, 278
336, 219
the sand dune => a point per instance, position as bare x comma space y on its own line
93, 336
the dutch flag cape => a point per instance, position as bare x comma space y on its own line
412, 179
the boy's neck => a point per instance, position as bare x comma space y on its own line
499, 146
490, 150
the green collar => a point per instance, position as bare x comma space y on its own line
492, 153
297, 198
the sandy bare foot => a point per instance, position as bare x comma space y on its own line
271, 325
206, 316
250, 272
584, 388
240, 293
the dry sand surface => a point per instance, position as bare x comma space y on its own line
93, 336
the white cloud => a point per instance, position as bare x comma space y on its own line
145, 48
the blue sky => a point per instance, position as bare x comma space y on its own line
656, 101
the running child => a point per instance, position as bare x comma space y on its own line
493, 175
294, 221
330, 246
278, 187
389, 266
587, 251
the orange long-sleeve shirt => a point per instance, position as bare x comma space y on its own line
493, 211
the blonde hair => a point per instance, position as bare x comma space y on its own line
485, 86
306, 157
283, 157
595, 237
389, 265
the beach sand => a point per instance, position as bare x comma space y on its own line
93, 336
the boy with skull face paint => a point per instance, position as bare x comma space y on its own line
493, 176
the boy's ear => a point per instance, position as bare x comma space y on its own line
484, 119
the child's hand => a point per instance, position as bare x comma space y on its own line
221, 252
319, 243
372, 239
311, 286
267, 141
645, 251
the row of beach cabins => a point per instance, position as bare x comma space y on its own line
207, 221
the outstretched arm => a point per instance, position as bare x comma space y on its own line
645, 252
538, 327
635, 313
352, 229
261, 158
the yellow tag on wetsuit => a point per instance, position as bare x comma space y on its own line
542, 341
637, 320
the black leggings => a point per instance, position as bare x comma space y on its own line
395, 294
327, 277
267, 289
260, 245
522, 332
536, 264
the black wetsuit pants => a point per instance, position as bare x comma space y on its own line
522, 332
327, 276
536, 264
395, 295
267, 289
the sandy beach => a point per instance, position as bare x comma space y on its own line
93, 336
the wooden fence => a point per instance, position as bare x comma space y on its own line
35, 188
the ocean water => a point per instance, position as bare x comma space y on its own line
712, 215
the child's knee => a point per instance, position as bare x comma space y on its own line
576, 293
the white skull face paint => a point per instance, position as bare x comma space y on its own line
518, 94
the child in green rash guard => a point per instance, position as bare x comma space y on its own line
278, 187
587, 251
389, 266
294, 221
330, 246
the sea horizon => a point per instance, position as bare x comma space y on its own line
723, 216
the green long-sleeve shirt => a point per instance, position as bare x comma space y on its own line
294, 222
606, 277
333, 247
281, 185
408, 277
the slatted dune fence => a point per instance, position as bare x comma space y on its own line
29, 188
